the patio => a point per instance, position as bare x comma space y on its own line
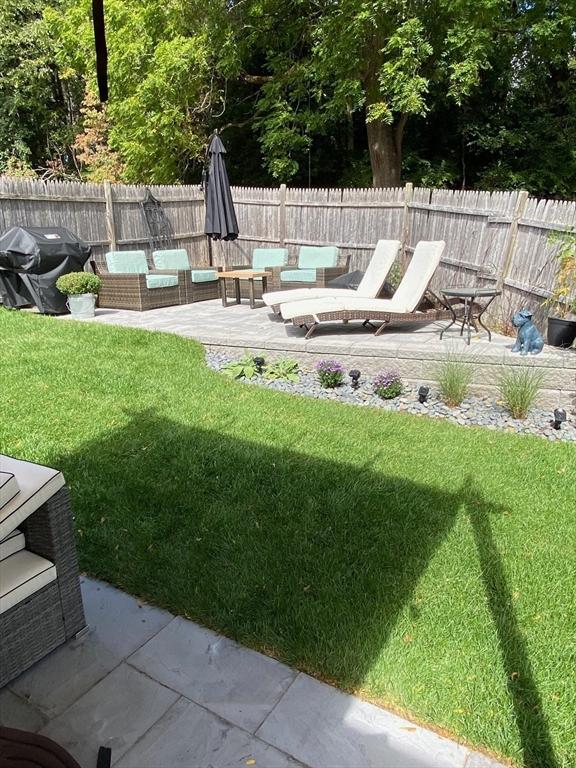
413, 350
164, 692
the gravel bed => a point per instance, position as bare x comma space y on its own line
474, 411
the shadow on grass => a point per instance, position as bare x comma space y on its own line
307, 559
537, 749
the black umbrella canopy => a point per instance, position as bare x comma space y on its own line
220, 223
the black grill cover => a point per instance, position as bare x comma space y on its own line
32, 259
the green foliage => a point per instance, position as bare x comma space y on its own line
32, 112
481, 94
284, 368
388, 385
454, 375
76, 283
330, 373
519, 387
161, 77
563, 296
245, 368
394, 277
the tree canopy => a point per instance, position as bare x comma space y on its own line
355, 92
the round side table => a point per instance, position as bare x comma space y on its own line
473, 309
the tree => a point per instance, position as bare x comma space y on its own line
321, 62
32, 101
521, 128
162, 77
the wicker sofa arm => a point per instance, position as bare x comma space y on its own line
49, 532
325, 274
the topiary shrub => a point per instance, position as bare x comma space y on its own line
387, 384
77, 283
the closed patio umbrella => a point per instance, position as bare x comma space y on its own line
220, 223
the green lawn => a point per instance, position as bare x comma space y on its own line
425, 566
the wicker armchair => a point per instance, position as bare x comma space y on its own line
315, 268
126, 283
200, 283
271, 260
49, 617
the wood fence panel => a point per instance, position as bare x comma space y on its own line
79, 207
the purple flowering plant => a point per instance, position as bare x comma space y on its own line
330, 373
387, 384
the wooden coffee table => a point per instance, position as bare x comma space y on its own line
248, 275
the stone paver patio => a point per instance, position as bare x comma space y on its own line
163, 692
412, 350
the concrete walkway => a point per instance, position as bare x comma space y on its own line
163, 692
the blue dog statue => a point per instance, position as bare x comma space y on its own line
529, 339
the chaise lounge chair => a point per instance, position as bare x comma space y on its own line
370, 286
408, 305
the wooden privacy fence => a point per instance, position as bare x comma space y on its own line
492, 238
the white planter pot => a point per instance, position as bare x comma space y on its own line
82, 305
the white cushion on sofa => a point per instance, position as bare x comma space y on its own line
21, 575
37, 485
13, 543
8, 488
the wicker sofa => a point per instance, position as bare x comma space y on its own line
40, 601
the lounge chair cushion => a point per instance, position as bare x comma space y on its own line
298, 276
127, 262
161, 281
315, 256
171, 258
21, 575
13, 543
378, 268
37, 485
269, 257
203, 275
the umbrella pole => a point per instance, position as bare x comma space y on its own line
210, 259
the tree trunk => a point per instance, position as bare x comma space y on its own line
385, 147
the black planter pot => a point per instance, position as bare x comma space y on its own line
561, 332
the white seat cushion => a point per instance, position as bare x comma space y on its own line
13, 543
37, 485
21, 575
303, 294
8, 487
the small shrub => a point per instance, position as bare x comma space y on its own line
387, 385
519, 388
245, 368
330, 373
77, 283
283, 369
454, 375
